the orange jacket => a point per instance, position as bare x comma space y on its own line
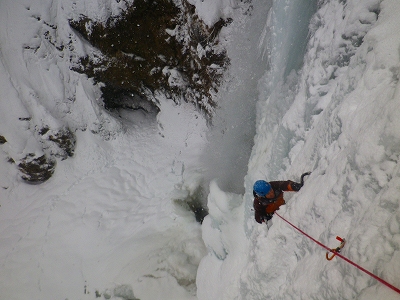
265, 207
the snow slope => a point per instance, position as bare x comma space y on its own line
325, 75
105, 223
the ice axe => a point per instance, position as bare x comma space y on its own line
302, 177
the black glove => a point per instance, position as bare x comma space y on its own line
296, 186
268, 217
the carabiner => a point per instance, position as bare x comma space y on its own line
336, 250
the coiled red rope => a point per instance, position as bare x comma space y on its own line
342, 257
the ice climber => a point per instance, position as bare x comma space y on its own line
268, 196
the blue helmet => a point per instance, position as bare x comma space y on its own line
261, 188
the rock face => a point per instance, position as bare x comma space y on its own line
154, 47
61, 142
36, 169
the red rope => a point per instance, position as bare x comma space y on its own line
342, 257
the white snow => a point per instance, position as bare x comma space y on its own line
325, 83
211, 11
105, 222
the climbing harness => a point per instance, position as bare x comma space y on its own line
336, 250
336, 253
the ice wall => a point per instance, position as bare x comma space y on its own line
336, 116
233, 126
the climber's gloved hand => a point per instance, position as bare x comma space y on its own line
268, 217
296, 186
